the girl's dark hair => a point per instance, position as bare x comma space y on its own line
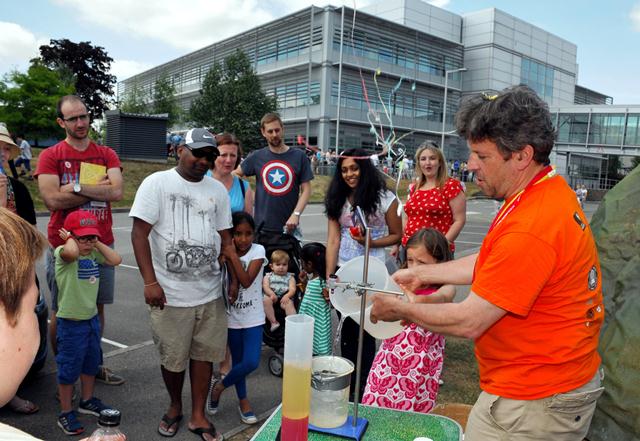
367, 193
434, 241
315, 252
240, 217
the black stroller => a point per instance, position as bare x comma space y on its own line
275, 339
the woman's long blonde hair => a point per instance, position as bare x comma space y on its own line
441, 176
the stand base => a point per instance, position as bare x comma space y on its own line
347, 430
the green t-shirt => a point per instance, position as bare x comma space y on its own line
78, 283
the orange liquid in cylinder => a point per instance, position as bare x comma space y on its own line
296, 399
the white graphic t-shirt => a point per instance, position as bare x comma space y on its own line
247, 311
185, 243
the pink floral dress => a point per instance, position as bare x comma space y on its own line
406, 370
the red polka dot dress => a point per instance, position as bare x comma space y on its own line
430, 208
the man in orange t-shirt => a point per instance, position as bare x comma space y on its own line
535, 307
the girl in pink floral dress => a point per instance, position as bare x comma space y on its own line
407, 367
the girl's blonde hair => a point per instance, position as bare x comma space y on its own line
441, 176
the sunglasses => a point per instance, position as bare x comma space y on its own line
86, 239
210, 155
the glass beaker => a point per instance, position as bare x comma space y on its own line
296, 379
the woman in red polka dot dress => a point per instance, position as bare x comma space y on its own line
435, 200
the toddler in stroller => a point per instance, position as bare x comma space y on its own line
283, 247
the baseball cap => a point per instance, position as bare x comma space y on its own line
5, 137
82, 223
200, 138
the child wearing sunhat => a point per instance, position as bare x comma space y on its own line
78, 330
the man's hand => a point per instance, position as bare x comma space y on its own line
154, 296
292, 223
386, 308
67, 188
408, 279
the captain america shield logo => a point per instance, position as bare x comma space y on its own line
277, 178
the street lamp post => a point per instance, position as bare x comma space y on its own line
444, 105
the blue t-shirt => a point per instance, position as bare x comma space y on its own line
278, 180
235, 193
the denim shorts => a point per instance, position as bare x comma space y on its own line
105, 288
79, 350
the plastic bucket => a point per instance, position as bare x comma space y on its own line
330, 380
347, 301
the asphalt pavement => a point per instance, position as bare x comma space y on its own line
129, 351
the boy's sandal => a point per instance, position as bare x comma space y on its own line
169, 422
211, 430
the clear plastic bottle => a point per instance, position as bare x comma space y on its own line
108, 427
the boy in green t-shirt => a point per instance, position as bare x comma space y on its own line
78, 330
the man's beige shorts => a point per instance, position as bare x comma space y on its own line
194, 332
561, 417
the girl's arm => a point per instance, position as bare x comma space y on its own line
111, 257
444, 294
459, 210
70, 250
245, 278
394, 224
333, 246
266, 288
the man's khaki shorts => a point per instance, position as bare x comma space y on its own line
184, 333
560, 417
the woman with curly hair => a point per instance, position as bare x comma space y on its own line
357, 183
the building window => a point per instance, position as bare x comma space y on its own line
538, 77
295, 94
606, 128
572, 128
632, 136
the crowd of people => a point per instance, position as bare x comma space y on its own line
203, 240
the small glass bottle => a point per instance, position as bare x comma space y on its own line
108, 427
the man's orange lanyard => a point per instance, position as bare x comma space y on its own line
508, 206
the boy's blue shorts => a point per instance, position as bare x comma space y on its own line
79, 350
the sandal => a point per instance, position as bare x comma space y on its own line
169, 422
211, 430
20, 405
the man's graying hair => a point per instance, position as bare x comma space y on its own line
514, 118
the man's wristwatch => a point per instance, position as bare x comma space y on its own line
297, 213
77, 188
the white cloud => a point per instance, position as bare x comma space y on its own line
439, 3
634, 15
189, 24
17, 46
124, 69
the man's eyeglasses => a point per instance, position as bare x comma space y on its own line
86, 239
209, 154
75, 119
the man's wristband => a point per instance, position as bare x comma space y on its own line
151, 284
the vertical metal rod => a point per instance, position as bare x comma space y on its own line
363, 305
339, 83
444, 108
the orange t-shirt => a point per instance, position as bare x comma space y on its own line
540, 264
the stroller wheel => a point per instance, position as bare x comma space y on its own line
275, 365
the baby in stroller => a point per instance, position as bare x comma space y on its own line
273, 336
278, 286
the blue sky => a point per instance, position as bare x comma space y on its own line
138, 36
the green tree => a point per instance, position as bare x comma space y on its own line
90, 66
232, 100
164, 99
28, 101
134, 101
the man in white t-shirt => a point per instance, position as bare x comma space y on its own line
181, 220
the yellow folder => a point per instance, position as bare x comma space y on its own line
91, 174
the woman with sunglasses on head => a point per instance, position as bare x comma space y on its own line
435, 200
357, 183
240, 192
